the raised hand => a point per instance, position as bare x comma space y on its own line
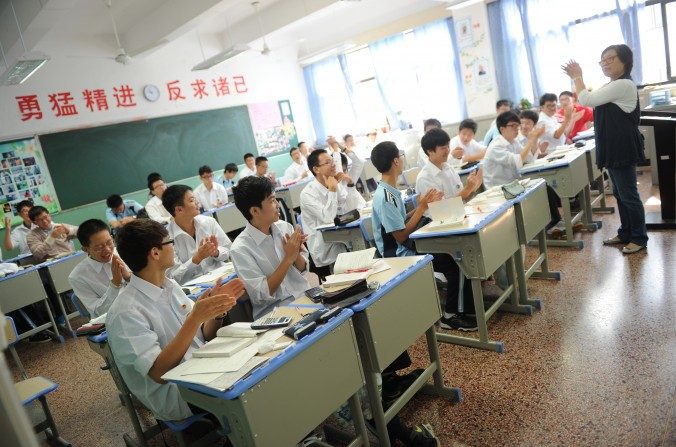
458, 152
331, 183
475, 179
572, 69
430, 196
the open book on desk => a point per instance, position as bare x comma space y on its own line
212, 276
354, 266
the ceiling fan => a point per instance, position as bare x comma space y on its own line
122, 58
265, 51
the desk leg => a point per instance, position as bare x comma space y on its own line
542, 262
604, 208
568, 220
519, 299
69, 328
438, 388
358, 243
521, 279
377, 408
362, 438
592, 225
482, 342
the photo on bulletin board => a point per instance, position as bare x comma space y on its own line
273, 127
24, 176
463, 30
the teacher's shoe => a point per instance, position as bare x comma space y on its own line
632, 248
613, 241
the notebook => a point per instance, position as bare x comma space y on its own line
447, 212
354, 266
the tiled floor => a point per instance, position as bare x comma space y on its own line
595, 367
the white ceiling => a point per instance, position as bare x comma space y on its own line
82, 28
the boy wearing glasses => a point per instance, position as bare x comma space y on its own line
555, 131
98, 279
210, 194
154, 207
330, 194
153, 326
200, 244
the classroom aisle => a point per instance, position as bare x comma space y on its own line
595, 367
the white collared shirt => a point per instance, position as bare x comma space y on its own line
551, 125
256, 256
471, 149
156, 211
295, 172
142, 321
246, 172
185, 247
91, 282
423, 159
18, 237
502, 162
319, 206
218, 196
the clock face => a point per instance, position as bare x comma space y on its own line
151, 92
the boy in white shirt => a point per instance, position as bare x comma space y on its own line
200, 244
209, 194
528, 121
555, 131
154, 207
98, 279
269, 254
262, 169
16, 238
249, 166
330, 194
464, 147
153, 326
297, 170
431, 123
228, 177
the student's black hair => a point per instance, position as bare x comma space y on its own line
135, 240
34, 212
152, 178
431, 122
204, 170
300, 143
173, 197
251, 191
346, 136
503, 102
113, 201
313, 159
468, 124
343, 159
505, 118
625, 55
293, 148
434, 138
247, 155
260, 160
383, 154
88, 228
231, 167
23, 204
529, 115
566, 93
547, 97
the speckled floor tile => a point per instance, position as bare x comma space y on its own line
595, 367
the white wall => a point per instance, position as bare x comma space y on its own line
273, 77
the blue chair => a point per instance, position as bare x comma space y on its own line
34, 389
99, 344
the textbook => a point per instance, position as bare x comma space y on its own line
354, 266
223, 347
211, 277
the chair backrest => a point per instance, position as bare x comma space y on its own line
77, 304
410, 176
11, 334
60, 271
366, 226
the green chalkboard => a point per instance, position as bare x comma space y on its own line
87, 165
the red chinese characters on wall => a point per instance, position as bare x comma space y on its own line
123, 96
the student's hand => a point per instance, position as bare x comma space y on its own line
293, 244
542, 147
304, 174
213, 242
119, 271
331, 183
8, 222
567, 113
272, 177
430, 196
343, 177
536, 133
212, 303
572, 69
233, 287
475, 179
204, 250
58, 231
578, 115
458, 152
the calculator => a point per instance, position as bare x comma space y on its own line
271, 322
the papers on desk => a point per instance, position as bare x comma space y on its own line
212, 276
446, 213
354, 266
239, 330
223, 347
222, 372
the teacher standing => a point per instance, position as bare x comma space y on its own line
619, 144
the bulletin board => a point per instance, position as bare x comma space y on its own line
24, 175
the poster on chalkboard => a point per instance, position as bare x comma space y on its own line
24, 176
273, 127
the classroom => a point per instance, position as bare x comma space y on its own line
337, 223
